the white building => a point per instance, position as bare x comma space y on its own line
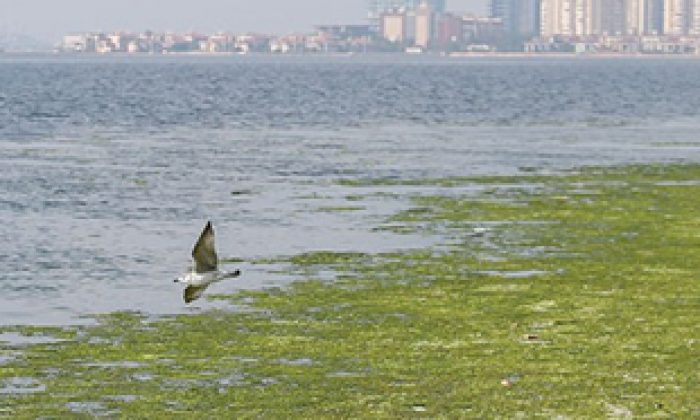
424, 25
74, 43
393, 27
594, 17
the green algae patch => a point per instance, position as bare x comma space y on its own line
578, 297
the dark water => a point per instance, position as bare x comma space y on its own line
111, 165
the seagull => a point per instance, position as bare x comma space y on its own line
205, 270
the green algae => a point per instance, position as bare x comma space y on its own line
604, 324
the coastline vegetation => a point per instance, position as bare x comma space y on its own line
568, 295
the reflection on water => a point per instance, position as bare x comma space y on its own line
110, 169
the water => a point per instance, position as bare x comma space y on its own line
111, 165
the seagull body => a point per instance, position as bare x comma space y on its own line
206, 267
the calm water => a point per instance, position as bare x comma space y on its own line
111, 166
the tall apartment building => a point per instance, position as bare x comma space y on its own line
695, 18
681, 17
635, 17
615, 17
393, 27
588, 17
521, 18
675, 17
424, 25
557, 17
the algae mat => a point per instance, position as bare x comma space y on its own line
574, 295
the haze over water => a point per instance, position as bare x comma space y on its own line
111, 165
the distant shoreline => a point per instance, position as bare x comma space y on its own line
568, 55
446, 56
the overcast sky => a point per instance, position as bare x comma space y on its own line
49, 19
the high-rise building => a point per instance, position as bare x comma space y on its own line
635, 17
424, 25
674, 17
681, 17
558, 17
450, 29
644, 17
549, 17
598, 17
393, 27
612, 15
588, 17
521, 18
695, 18
653, 17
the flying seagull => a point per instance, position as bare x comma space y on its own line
206, 267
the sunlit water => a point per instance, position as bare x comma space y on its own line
111, 166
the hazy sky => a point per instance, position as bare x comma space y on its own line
49, 19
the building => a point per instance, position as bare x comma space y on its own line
596, 17
681, 17
376, 8
551, 12
674, 17
344, 31
695, 18
410, 28
450, 30
393, 26
520, 18
635, 12
481, 30
655, 17
612, 16
424, 25
75, 43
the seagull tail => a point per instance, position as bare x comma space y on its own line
233, 274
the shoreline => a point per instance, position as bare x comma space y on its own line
350, 55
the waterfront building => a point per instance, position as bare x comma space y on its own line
674, 17
612, 16
450, 29
553, 16
410, 26
695, 18
655, 17
482, 30
376, 8
681, 17
393, 26
596, 17
75, 43
424, 25
520, 18
644, 17
635, 14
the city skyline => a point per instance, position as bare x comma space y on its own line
273, 16
619, 17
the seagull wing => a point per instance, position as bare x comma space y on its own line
193, 293
204, 253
